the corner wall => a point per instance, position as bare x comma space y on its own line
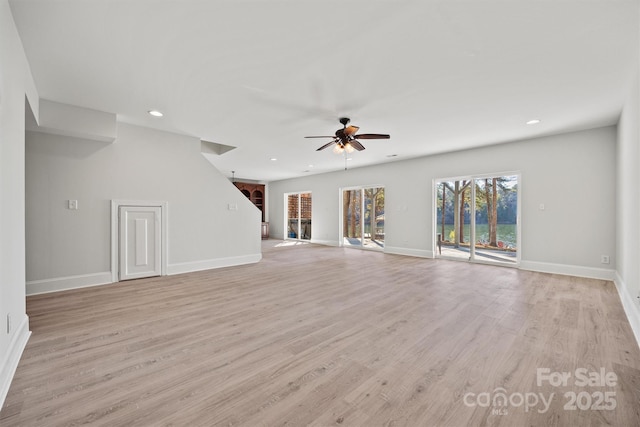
16, 84
72, 248
628, 207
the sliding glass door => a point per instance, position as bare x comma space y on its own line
298, 224
363, 217
477, 218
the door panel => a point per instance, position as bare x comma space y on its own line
305, 216
373, 218
363, 217
298, 216
142, 240
496, 219
139, 243
477, 219
352, 229
293, 212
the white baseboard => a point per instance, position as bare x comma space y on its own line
12, 357
630, 306
35, 287
208, 264
568, 270
409, 252
326, 242
83, 281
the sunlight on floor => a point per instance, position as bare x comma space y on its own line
290, 243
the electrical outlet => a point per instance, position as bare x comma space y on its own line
72, 204
604, 259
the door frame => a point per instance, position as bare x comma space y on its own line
115, 233
362, 209
286, 215
472, 233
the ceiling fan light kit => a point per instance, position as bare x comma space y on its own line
339, 148
346, 139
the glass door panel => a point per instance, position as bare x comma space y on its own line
352, 210
373, 218
453, 219
496, 219
293, 229
305, 216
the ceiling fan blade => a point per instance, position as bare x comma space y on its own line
350, 130
326, 145
320, 136
356, 144
372, 136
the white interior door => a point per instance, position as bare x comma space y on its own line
140, 242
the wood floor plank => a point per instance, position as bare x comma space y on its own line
320, 336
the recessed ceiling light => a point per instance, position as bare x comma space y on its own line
155, 113
533, 122
273, 159
310, 166
348, 158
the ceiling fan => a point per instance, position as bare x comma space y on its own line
346, 138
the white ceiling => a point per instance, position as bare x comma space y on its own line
261, 74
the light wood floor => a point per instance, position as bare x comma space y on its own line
324, 336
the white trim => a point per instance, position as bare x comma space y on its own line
12, 358
115, 206
208, 264
45, 286
359, 187
421, 253
631, 308
568, 270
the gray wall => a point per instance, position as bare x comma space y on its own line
628, 207
142, 164
62, 245
572, 174
16, 83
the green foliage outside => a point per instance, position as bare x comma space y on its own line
496, 211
